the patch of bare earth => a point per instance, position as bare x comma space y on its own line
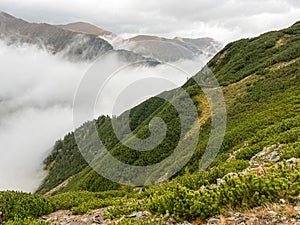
59, 187
65, 217
281, 213
282, 41
281, 65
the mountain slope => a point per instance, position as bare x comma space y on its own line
260, 80
73, 45
86, 28
170, 50
85, 42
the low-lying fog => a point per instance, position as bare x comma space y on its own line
36, 96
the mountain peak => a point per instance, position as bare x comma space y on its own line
87, 28
143, 37
6, 15
296, 24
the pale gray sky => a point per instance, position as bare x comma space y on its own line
224, 20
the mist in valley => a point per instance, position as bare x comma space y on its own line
37, 90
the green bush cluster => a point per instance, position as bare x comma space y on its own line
26, 221
118, 210
248, 56
285, 132
88, 206
244, 192
23, 205
291, 150
83, 201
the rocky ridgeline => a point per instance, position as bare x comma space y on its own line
259, 162
281, 213
65, 217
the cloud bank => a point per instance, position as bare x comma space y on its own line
221, 19
36, 93
36, 97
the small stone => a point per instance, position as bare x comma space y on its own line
292, 161
242, 220
186, 223
85, 220
274, 156
220, 181
276, 159
231, 218
273, 214
297, 209
171, 220
238, 214
202, 188
281, 201
213, 221
138, 215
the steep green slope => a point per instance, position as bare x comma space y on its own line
260, 80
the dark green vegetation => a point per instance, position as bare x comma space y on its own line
260, 78
175, 198
242, 193
17, 206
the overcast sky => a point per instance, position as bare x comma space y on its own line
224, 20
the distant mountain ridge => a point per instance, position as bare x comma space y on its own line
72, 45
86, 28
170, 50
82, 41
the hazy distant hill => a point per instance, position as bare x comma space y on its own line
170, 50
159, 48
73, 45
87, 28
85, 42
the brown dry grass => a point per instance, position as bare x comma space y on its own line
281, 65
282, 41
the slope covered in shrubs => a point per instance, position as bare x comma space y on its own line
260, 78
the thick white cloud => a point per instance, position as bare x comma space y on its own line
36, 94
225, 20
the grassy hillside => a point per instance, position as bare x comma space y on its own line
175, 199
260, 81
